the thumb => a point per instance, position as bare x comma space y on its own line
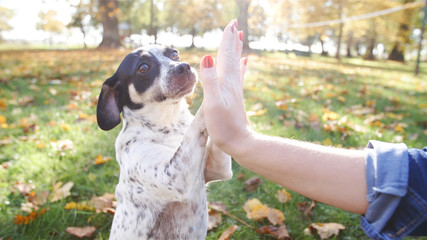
209, 79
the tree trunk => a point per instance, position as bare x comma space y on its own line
243, 20
371, 41
349, 43
110, 24
153, 23
398, 51
193, 35
340, 12
369, 55
324, 53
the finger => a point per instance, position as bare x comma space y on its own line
209, 79
243, 64
227, 48
239, 44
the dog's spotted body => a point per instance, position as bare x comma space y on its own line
162, 149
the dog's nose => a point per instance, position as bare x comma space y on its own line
182, 68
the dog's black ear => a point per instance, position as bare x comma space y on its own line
108, 109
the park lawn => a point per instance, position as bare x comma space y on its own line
48, 133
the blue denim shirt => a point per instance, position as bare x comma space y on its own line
397, 191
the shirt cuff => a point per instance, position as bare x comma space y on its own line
387, 168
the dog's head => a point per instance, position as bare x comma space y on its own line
147, 75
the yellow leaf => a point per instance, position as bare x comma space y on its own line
255, 209
327, 142
329, 115
257, 113
283, 196
282, 105
399, 128
65, 127
2, 119
330, 95
101, 160
341, 99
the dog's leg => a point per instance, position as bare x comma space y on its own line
178, 176
218, 164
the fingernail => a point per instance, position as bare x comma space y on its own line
234, 25
241, 34
207, 61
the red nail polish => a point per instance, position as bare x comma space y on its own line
241, 34
207, 61
245, 61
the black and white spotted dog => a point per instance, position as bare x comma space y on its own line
163, 151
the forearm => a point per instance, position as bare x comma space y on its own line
330, 175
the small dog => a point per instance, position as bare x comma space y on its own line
164, 153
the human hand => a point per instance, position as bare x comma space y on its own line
223, 105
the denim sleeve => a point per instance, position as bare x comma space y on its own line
394, 182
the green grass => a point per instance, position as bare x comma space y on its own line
41, 110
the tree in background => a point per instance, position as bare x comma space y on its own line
403, 32
82, 18
5, 15
252, 20
108, 11
49, 23
194, 17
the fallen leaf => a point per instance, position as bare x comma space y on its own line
275, 216
305, 208
102, 202
78, 206
329, 115
101, 160
252, 184
227, 233
215, 218
62, 145
278, 232
61, 191
218, 206
324, 230
255, 209
38, 198
23, 188
283, 196
81, 232
283, 105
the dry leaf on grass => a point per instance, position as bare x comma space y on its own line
102, 203
23, 188
252, 184
307, 209
325, 230
227, 233
81, 231
215, 218
278, 232
283, 196
61, 191
256, 210
218, 206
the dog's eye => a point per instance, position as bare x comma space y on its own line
143, 68
175, 56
